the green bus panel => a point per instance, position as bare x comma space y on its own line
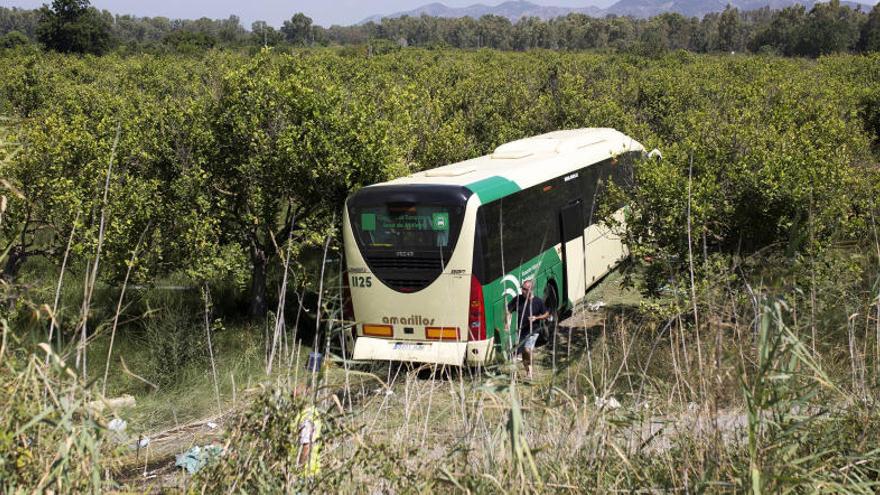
498, 292
492, 188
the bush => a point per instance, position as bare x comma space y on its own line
173, 339
13, 39
50, 440
260, 440
189, 42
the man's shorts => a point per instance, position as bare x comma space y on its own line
528, 342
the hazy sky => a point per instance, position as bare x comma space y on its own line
324, 12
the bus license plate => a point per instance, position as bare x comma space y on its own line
410, 346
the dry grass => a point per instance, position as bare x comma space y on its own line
758, 413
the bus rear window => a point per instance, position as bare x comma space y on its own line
407, 227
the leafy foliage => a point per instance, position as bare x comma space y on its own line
869, 40
51, 439
288, 147
783, 171
72, 26
792, 31
298, 29
217, 160
13, 39
218, 157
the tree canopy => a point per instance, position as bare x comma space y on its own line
224, 157
73, 26
792, 31
288, 147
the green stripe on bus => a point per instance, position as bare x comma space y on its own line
542, 268
492, 188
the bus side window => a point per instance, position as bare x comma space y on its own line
589, 176
529, 224
490, 223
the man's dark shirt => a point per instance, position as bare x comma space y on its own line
535, 307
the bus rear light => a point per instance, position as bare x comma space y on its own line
379, 330
441, 333
476, 312
347, 304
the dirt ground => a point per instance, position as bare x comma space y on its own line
152, 468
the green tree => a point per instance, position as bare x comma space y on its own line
298, 30
289, 147
72, 26
190, 41
531, 32
730, 30
262, 34
784, 34
869, 39
676, 29
463, 33
13, 39
16, 19
230, 30
777, 166
495, 31
653, 41
156, 188
830, 28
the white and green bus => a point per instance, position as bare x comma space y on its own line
433, 258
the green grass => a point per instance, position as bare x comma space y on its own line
239, 358
613, 291
185, 393
464, 421
191, 396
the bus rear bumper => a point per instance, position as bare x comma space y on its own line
451, 353
479, 351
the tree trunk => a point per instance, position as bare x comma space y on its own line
259, 265
14, 260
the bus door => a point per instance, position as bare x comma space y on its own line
573, 259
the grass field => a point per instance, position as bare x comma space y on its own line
396, 402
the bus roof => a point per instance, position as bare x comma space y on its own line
523, 163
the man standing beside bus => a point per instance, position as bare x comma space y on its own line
529, 309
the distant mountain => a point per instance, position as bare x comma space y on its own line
699, 8
515, 10
650, 8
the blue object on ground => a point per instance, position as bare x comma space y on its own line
314, 362
197, 457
